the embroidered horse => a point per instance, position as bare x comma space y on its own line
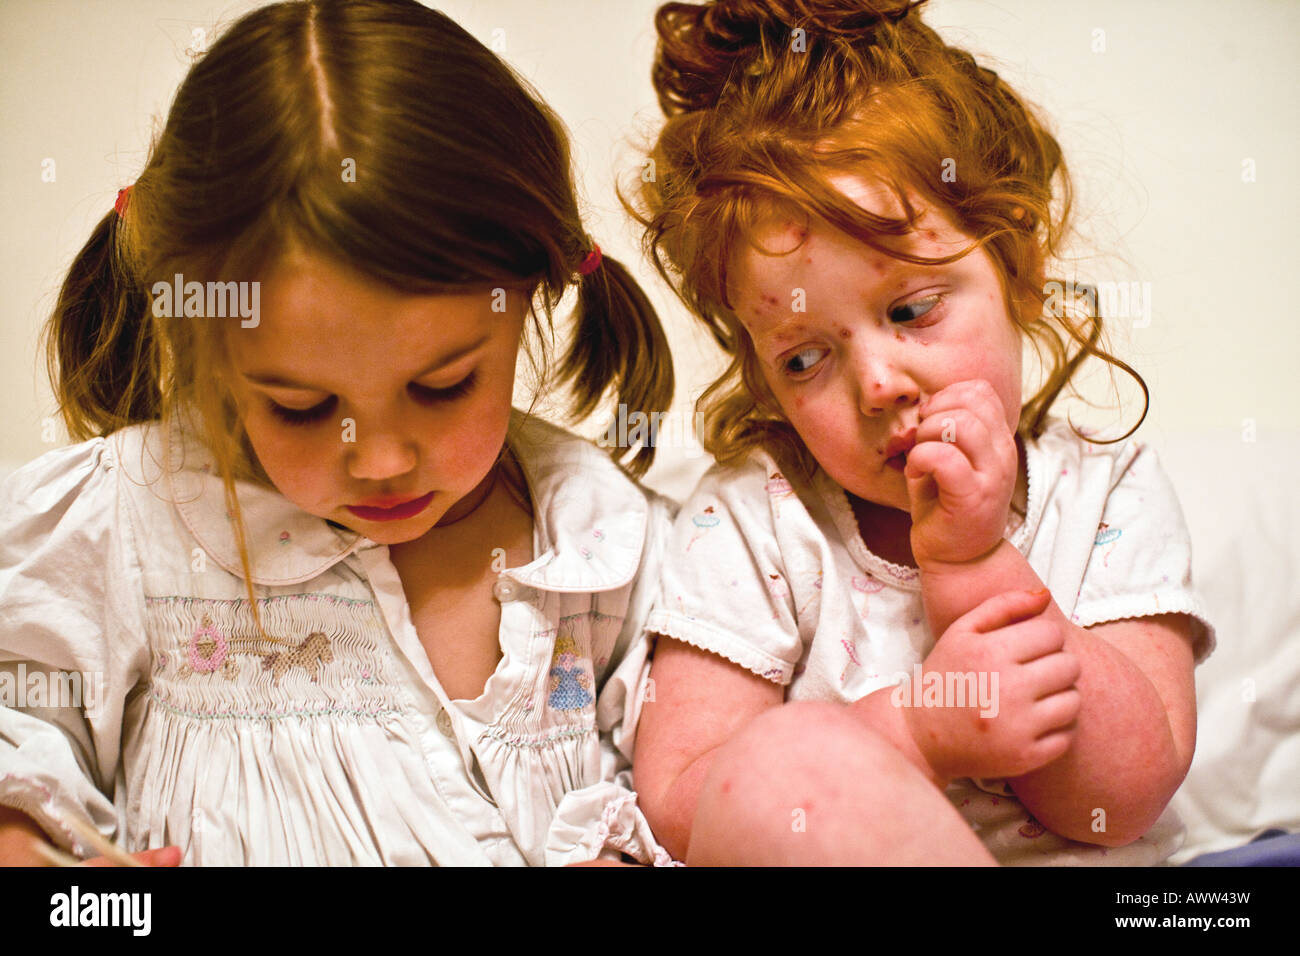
309, 655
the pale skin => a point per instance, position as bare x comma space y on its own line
1100, 717
427, 381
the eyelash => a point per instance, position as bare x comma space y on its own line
432, 396
934, 299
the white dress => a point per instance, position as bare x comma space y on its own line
772, 573
334, 744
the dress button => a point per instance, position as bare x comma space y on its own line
506, 590
443, 720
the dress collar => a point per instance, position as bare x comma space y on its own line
589, 517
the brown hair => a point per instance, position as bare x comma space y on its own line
462, 180
766, 100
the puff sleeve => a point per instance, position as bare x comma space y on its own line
725, 584
1140, 563
604, 819
72, 644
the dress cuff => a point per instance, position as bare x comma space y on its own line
602, 821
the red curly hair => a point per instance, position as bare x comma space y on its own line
767, 101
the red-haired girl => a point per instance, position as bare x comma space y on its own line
927, 623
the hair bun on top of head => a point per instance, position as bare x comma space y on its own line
700, 45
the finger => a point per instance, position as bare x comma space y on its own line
1052, 747
1003, 610
948, 466
976, 395
163, 856
1057, 712
1032, 640
1052, 673
961, 427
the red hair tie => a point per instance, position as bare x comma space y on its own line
592, 262
122, 196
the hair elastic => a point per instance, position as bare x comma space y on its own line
592, 262
122, 196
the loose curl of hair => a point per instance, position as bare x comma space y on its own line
463, 181
768, 100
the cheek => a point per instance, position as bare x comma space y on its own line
282, 451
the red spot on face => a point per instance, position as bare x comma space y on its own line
924, 342
769, 299
846, 334
726, 786
898, 336
931, 235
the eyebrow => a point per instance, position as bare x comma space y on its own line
273, 380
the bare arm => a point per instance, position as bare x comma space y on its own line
701, 701
1137, 722
18, 834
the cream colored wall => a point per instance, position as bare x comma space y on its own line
1163, 108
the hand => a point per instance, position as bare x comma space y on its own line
163, 856
1032, 706
961, 474
23, 843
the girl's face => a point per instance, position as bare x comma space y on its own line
851, 340
356, 396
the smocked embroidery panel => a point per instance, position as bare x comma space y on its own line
572, 648
328, 657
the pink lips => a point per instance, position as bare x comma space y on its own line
898, 447
407, 509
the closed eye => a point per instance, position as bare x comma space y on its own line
451, 393
302, 416
427, 396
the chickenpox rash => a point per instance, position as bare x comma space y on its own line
898, 336
846, 333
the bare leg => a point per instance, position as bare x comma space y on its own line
809, 784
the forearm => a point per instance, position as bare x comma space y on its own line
1123, 761
878, 712
671, 813
950, 590
1124, 765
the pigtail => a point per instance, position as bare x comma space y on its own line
618, 341
100, 350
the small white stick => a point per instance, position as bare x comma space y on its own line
97, 841
52, 855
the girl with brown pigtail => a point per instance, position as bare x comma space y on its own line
347, 604
910, 617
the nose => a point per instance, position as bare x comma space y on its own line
379, 450
884, 383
